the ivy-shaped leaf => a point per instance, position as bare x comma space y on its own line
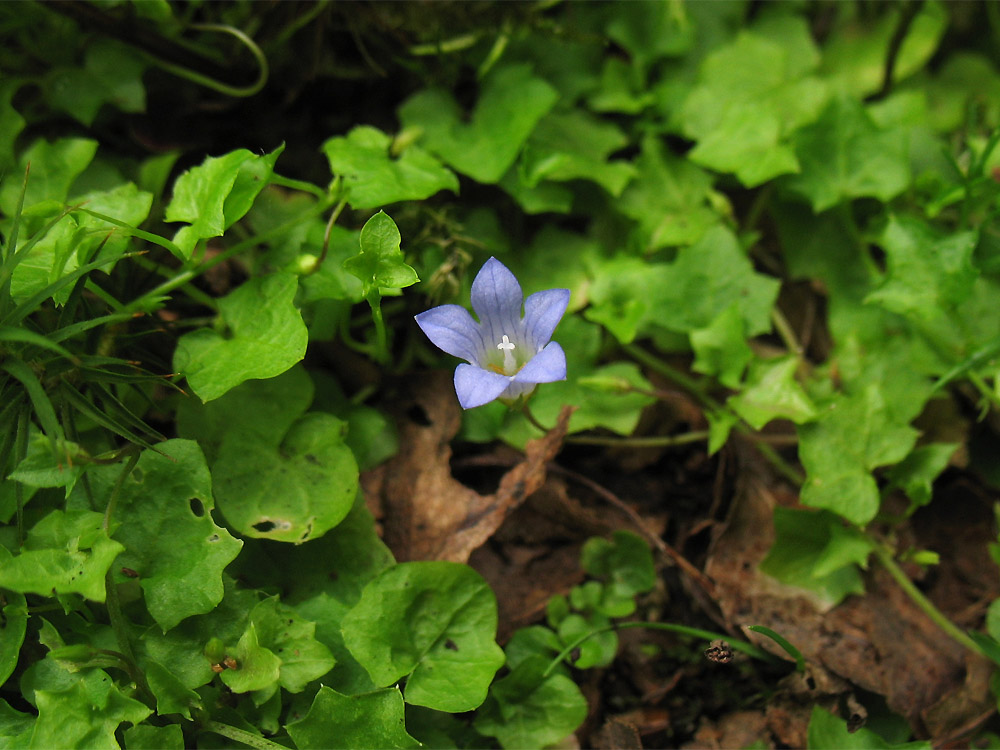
380, 263
213, 196
511, 103
434, 621
66, 552
172, 542
266, 336
374, 176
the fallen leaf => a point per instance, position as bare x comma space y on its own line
426, 513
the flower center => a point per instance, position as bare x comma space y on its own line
509, 365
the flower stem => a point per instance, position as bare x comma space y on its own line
381, 334
884, 555
747, 648
652, 441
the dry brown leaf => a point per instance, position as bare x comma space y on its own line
426, 513
858, 640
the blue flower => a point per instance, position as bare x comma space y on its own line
507, 354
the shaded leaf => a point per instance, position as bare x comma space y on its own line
334, 720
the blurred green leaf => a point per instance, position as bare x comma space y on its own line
54, 167
827, 732
526, 710
111, 74
772, 392
813, 550
845, 155
511, 102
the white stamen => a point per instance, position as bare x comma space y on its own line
509, 366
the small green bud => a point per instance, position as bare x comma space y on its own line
306, 264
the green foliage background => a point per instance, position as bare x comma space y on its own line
195, 266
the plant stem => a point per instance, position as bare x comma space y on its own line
653, 441
381, 334
676, 376
239, 735
884, 555
747, 648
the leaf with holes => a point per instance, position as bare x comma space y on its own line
170, 539
289, 488
434, 622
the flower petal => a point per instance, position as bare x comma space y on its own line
476, 386
547, 366
542, 313
497, 299
452, 329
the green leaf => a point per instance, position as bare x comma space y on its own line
66, 552
526, 710
772, 392
511, 103
165, 508
13, 625
172, 695
15, 727
43, 468
626, 562
334, 720
852, 436
380, 263
672, 198
266, 337
599, 649
213, 196
916, 473
434, 621
292, 639
261, 408
856, 53
721, 348
112, 74
845, 155
84, 715
257, 667
827, 732
815, 551
751, 96
54, 167
376, 176
11, 122
574, 145
150, 737
705, 279
331, 573
292, 487
927, 273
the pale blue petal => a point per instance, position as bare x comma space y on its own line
515, 390
452, 329
547, 366
497, 299
476, 386
542, 313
